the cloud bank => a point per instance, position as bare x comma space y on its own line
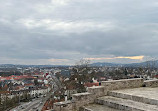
64, 31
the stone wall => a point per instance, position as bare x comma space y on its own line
81, 99
78, 100
64, 106
122, 84
151, 83
97, 91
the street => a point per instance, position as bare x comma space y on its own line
35, 105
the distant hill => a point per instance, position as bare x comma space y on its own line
105, 64
97, 64
142, 64
26, 66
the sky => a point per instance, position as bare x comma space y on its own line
61, 32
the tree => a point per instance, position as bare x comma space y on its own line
80, 75
1, 104
36, 82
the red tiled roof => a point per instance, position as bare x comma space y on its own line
31, 84
91, 84
156, 76
15, 77
4, 92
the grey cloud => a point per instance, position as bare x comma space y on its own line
133, 30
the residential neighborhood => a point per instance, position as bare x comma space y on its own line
55, 84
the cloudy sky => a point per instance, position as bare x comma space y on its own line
65, 31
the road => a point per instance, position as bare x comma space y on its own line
35, 105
